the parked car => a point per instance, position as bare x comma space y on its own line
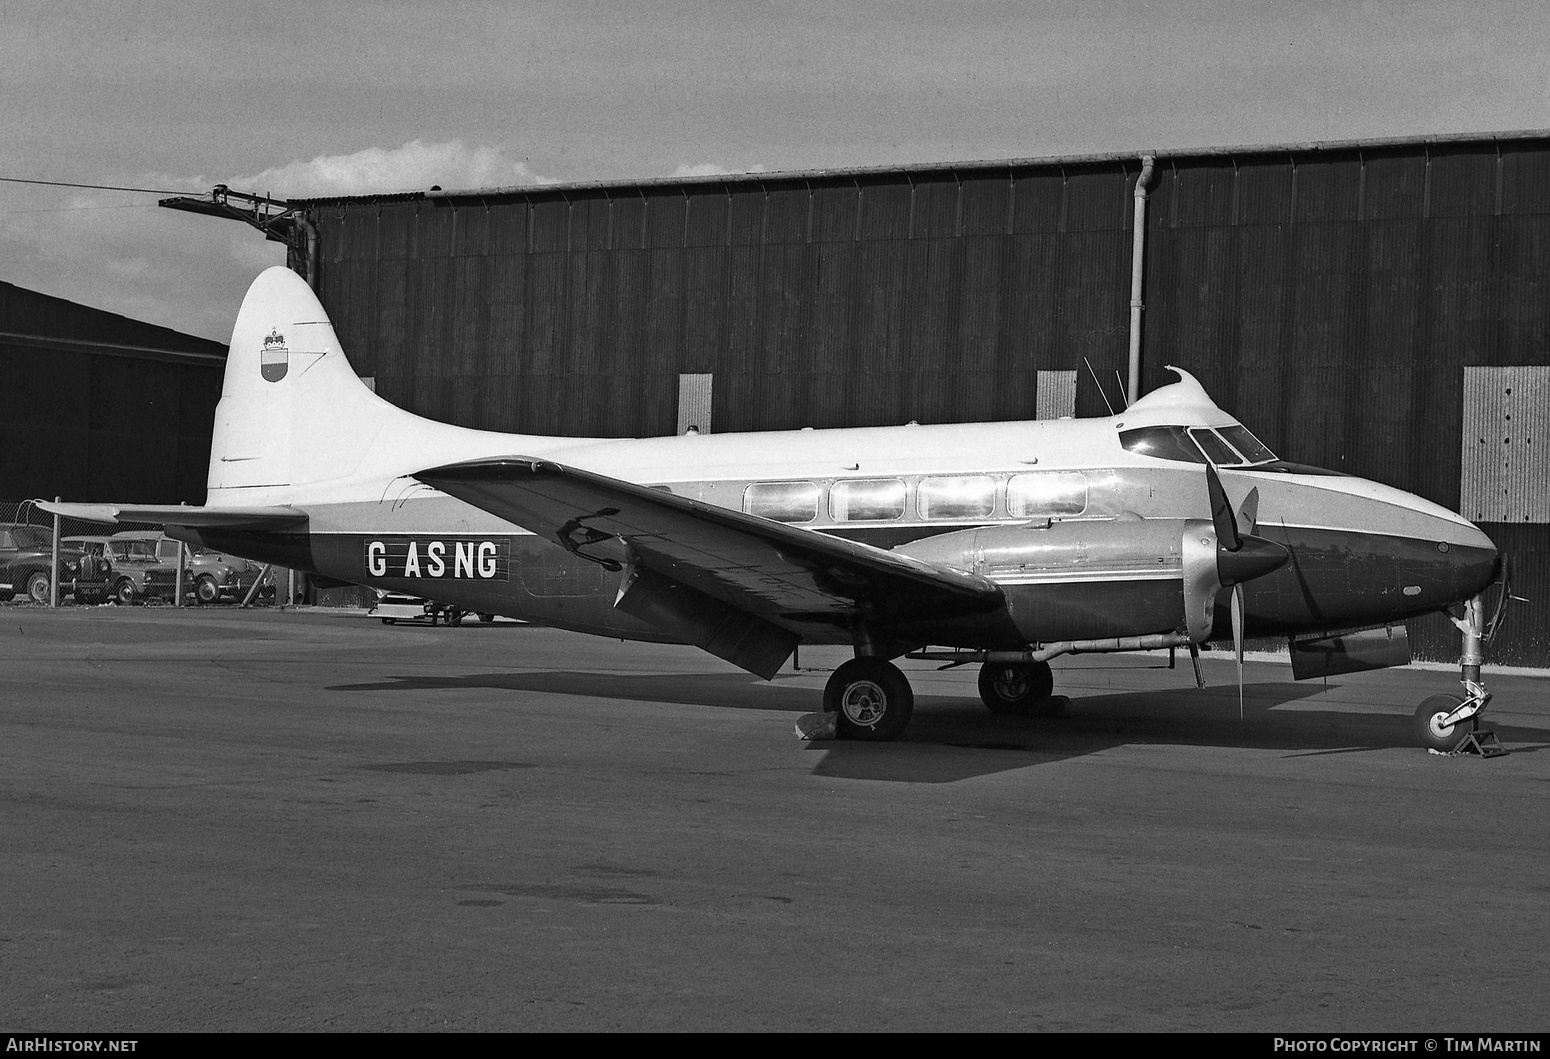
139, 573
228, 576
26, 554
216, 576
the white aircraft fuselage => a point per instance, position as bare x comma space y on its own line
1074, 531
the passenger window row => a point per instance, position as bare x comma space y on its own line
1039, 494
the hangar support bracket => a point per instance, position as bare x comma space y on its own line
277, 219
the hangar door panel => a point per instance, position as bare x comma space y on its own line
694, 402
1056, 395
1506, 457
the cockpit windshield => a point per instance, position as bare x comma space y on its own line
1230, 446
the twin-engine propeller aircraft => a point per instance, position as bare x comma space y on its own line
1005, 544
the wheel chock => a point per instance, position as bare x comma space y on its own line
811, 727
1483, 743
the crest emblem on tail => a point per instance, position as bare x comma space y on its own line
275, 358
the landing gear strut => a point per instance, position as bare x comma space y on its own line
872, 699
1440, 720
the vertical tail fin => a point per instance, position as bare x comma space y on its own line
293, 413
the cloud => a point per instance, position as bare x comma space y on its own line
123, 254
416, 166
709, 169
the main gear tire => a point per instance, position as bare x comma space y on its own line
1018, 689
872, 699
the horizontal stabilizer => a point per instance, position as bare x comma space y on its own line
179, 515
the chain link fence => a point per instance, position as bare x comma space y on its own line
134, 563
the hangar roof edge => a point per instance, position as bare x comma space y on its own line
1125, 158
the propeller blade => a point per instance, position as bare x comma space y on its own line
1248, 512
1237, 639
1222, 518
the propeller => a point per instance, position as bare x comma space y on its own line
1240, 556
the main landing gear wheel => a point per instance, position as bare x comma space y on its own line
872, 698
1018, 689
1429, 728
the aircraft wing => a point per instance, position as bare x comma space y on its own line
179, 514
780, 574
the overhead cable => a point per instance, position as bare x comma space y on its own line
95, 187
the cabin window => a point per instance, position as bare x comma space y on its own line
782, 501
959, 496
1046, 493
1216, 450
867, 500
1254, 451
1165, 443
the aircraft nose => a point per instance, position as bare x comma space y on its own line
1474, 562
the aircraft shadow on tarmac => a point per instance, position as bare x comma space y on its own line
954, 737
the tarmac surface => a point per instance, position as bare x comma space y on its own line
217, 819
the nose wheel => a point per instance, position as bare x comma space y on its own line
871, 698
1433, 727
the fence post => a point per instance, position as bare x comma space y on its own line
53, 573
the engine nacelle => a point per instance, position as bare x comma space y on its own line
1093, 580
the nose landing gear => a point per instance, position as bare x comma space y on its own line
1440, 721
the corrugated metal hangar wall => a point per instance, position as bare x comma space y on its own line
102, 407
1342, 300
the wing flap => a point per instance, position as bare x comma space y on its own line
765, 568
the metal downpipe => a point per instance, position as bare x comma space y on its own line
1137, 268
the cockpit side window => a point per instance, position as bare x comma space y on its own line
1216, 450
1254, 451
1165, 443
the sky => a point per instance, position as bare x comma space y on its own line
329, 97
